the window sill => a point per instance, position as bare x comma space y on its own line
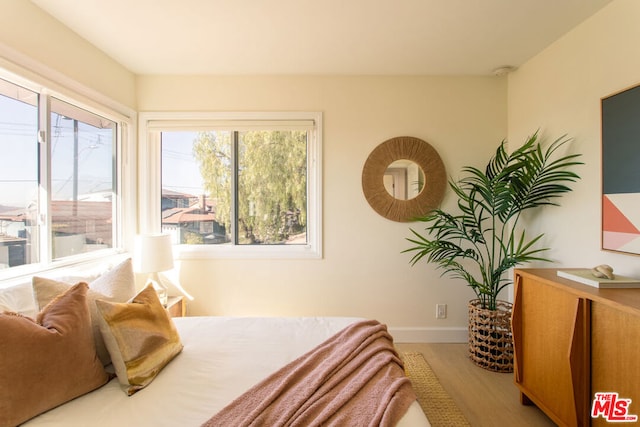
183, 252
79, 265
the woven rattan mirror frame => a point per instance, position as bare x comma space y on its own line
409, 148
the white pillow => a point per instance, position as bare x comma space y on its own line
19, 299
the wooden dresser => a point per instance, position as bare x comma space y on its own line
572, 341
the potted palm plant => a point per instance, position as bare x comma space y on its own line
481, 242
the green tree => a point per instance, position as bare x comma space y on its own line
272, 203
212, 151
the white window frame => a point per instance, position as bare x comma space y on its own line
150, 124
57, 86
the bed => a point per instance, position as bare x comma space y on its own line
220, 359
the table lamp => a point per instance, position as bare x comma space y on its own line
153, 253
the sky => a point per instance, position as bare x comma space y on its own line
19, 164
179, 169
18, 152
19, 155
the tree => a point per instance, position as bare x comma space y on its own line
271, 193
486, 230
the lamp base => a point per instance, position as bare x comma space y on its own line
160, 288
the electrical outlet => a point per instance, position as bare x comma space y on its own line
441, 311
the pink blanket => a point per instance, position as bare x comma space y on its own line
355, 378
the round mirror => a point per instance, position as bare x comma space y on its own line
404, 178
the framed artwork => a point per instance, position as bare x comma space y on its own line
621, 171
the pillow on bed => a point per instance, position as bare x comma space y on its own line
140, 336
49, 361
117, 285
18, 299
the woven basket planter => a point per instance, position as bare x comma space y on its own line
490, 338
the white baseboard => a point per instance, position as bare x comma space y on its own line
429, 334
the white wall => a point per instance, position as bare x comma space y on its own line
30, 36
363, 272
559, 91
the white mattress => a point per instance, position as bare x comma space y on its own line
222, 357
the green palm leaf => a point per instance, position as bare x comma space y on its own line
490, 202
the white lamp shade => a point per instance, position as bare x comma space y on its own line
152, 253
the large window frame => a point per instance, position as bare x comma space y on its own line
150, 126
123, 200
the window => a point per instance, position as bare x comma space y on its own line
238, 184
18, 175
58, 176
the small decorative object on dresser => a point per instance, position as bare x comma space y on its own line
484, 240
592, 278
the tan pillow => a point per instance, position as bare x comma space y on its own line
47, 362
140, 336
116, 285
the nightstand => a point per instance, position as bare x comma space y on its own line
177, 307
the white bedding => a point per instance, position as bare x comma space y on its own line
222, 358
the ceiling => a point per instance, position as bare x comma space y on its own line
371, 37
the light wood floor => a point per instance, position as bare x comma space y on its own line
486, 398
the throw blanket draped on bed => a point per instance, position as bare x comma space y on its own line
354, 378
